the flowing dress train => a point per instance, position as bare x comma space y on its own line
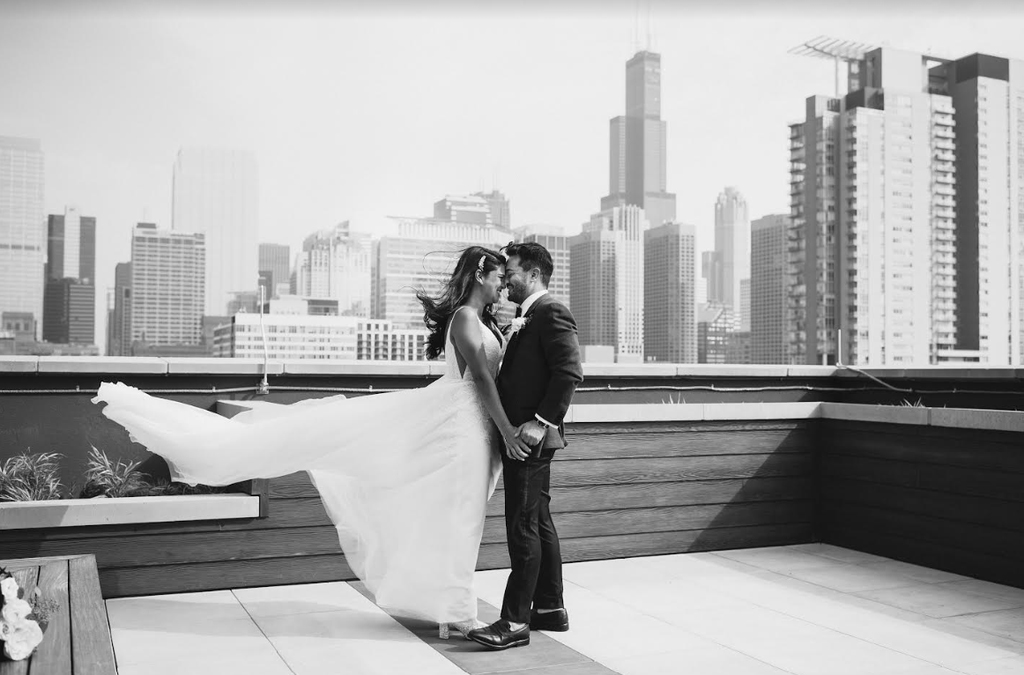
404, 476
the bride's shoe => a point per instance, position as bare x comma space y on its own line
444, 629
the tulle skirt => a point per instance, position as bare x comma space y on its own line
404, 476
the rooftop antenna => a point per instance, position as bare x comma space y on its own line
648, 48
846, 51
636, 27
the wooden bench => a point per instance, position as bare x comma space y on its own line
77, 639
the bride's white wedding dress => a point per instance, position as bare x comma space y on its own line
404, 476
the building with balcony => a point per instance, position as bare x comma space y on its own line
985, 203
887, 266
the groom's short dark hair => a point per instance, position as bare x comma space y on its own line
533, 256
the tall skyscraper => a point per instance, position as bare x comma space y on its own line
419, 258
670, 278
558, 245
988, 102
275, 269
732, 250
336, 264
873, 228
606, 281
768, 274
22, 228
69, 303
167, 272
119, 320
216, 194
638, 145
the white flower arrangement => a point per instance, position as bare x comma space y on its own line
517, 325
20, 632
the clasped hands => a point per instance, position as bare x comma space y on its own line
527, 436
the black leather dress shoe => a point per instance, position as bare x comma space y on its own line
499, 635
556, 621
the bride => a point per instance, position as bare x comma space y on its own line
404, 476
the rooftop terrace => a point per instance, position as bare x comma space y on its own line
735, 518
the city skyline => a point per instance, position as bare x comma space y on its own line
195, 78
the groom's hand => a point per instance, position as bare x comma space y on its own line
516, 447
532, 432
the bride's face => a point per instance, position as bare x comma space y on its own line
493, 284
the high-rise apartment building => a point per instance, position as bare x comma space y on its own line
22, 228
873, 229
670, 279
768, 276
732, 250
336, 264
119, 319
420, 257
638, 161
988, 103
558, 245
216, 194
167, 282
275, 269
69, 303
606, 281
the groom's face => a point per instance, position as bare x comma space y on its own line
517, 280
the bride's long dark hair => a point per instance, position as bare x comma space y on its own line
437, 312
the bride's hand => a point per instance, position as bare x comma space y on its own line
515, 447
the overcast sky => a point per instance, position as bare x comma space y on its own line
357, 114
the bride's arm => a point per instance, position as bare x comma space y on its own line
468, 340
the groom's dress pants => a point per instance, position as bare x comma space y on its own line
536, 577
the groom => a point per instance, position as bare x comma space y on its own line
538, 376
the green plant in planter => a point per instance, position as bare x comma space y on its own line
106, 478
30, 477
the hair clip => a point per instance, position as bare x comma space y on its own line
480, 265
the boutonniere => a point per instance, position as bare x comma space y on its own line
517, 325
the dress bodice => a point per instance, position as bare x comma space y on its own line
492, 348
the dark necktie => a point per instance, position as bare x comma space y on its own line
519, 311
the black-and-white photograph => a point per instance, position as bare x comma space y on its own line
511, 337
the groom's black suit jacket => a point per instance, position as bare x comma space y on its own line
542, 368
